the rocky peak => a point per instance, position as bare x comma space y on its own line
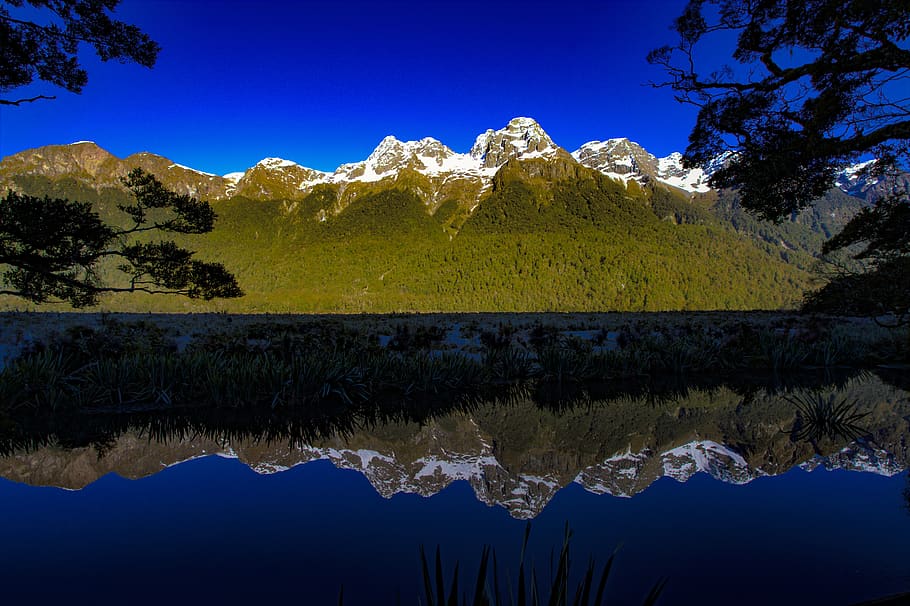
671, 171
522, 137
427, 156
389, 153
863, 181
626, 160
619, 158
274, 177
392, 154
275, 163
83, 159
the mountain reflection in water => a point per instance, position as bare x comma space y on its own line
212, 530
516, 451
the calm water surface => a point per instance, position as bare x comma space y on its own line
723, 491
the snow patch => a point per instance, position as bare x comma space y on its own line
175, 165
276, 163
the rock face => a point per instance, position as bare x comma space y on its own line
626, 160
521, 138
619, 158
427, 156
89, 164
277, 179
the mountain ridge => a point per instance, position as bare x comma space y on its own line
521, 138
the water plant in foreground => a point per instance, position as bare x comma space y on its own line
530, 589
819, 417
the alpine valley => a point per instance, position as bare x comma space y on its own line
515, 224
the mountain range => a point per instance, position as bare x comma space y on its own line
271, 178
515, 224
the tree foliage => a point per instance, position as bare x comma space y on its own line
46, 48
55, 249
879, 237
815, 84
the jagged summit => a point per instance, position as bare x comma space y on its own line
626, 160
428, 155
276, 163
521, 138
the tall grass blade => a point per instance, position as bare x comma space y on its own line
453, 593
522, 596
601, 587
440, 583
427, 581
534, 598
479, 597
559, 589
584, 589
655, 592
496, 594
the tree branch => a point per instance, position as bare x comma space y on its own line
863, 142
55, 31
30, 100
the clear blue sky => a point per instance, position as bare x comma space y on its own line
322, 82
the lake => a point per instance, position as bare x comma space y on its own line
752, 493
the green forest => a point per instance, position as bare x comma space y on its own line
544, 237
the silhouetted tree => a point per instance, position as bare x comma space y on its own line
42, 41
818, 83
815, 85
55, 249
881, 235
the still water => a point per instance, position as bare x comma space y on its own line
732, 494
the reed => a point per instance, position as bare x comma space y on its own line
529, 589
822, 416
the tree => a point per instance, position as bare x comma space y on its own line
879, 237
817, 84
48, 50
55, 249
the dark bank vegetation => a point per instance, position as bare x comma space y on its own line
131, 366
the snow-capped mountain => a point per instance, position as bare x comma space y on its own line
522, 139
860, 180
426, 156
626, 160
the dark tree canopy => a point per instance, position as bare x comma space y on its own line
879, 237
53, 249
813, 85
46, 49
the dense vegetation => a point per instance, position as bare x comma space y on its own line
540, 240
319, 365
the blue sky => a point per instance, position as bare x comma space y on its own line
322, 82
